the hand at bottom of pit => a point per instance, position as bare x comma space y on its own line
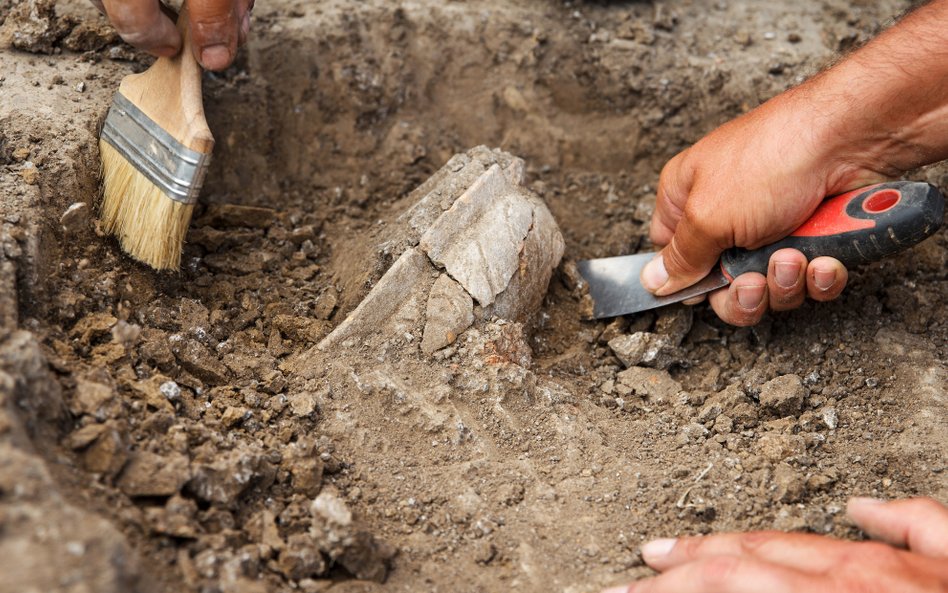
909, 556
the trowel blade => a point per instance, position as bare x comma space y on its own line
616, 290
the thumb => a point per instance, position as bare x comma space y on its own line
688, 258
215, 31
919, 524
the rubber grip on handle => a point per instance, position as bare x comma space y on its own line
857, 227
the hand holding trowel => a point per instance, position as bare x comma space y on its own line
860, 226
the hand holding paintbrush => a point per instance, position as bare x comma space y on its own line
217, 27
155, 147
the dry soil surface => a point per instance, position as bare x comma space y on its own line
180, 432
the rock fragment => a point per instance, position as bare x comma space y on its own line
779, 447
75, 218
107, 454
226, 478
337, 535
646, 349
33, 26
450, 311
395, 304
475, 226
657, 385
91, 398
300, 558
733, 403
302, 403
149, 474
783, 396
367, 558
200, 362
675, 322
479, 239
177, 518
790, 485
830, 417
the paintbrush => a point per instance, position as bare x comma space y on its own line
155, 148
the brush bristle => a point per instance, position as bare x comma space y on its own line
149, 225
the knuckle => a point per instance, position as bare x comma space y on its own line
677, 263
691, 547
785, 301
929, 506
870, 554
742, 318
718, 572
755, 541
141, 38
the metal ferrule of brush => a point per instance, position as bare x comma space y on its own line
173, 167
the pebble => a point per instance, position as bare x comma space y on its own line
646, 349
170, 390
783, 396
789, 483
778, 447
75, 218
830, 418
150, 474
29, 173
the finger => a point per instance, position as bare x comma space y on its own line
244, 7
694, 249
215, 31
919, 524
786, 279
142, 23
695, 300
744, 302
826, 278
673, 186
804, 552
727, 574
99, 6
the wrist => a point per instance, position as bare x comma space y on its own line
884, 110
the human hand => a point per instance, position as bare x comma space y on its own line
873, 116
913, 559
749, 183
217, 27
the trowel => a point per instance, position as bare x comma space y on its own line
857, 227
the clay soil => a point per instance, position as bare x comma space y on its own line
170, 432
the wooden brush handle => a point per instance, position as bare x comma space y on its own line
170, 93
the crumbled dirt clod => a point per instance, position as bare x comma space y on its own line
783, 396
646, 349
150, 474
33, 26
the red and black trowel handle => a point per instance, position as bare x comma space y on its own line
857, 227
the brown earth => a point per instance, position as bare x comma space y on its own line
165, 432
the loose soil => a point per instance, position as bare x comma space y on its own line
171, 432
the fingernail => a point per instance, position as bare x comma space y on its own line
866, 500
654, 275
215, 57
786, 273
657, 549
824, 279
245, 25
750, 297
